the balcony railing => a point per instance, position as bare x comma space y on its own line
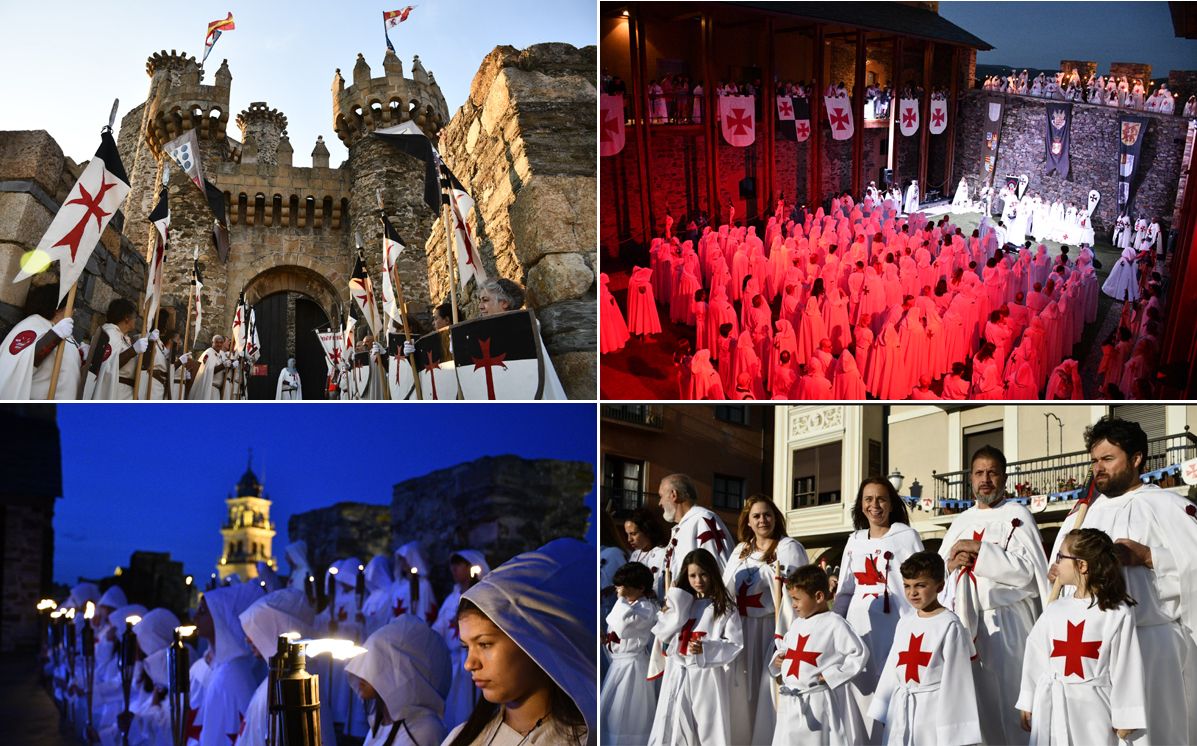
645, 415
618, 498
1063, 472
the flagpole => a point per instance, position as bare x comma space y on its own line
449, 252
70, 309
187, 332
411, 359
145, 311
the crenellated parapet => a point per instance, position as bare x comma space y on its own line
179, 101
368, 104
263, 134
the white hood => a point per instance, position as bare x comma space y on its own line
274, 614
378, 574
267, 575
113, 598
346, 575
408, 665
157, 667
81, 594
544, 600
410, 553
156, 630
297, 557
225, 605
474, 557
118, 617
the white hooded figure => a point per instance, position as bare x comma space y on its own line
960, 201
377, 608
289, 387
911, 205
460, 701
108, 698
213, 373
342, 621
403, 676
272, 615
236, 672
297, 557
267, 575
529, 629
151, 711
407, 558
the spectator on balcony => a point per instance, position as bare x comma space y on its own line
1155, 536
997, 583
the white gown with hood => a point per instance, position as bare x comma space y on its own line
544, 601
377, 608
407, 557
297, 557
151, 722
460, 701
408, 666
235, 671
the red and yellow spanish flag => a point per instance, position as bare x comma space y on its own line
215, 29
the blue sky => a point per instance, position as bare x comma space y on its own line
64, 62
160, 482
1040, 34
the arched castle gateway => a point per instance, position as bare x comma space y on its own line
291, 228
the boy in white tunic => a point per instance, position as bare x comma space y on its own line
816, 659
629, 700
1082, 678
926, 693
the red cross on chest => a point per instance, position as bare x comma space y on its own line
870, 576
399, 608
746, 600
914, 657
713, 533
1074, 648
798, 655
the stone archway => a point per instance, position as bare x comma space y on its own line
290, 303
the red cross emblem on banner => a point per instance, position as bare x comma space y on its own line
839, 118
740, 121
908, 117
487, 362
785, 108
91, 206
937, 117
803, 129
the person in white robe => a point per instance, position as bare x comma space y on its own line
1140, 232
1121, 232
926, 693
275, 614
1082, 677
341, 619
289, 387
960, 201
1155, 532
997, 581
467, 567
377, 607
151, 714
235, 671
107, 693
28, 351
528, 628
297, 558
403, 677
647, 538
214, 367
412, 592
870, 594
160, 367
1123, 281
911, 205
628, 700
816, 659
696, 527
113, 356
1154, 240
753, 575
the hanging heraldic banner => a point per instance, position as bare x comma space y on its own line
1059, 123
1131, 132
993, 128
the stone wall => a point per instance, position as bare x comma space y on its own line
500, 505
1131, 70
523, 146
1182, 83
347, 529
1094, 154
1085, 68
35, 177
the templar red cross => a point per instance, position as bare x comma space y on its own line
399, 608
465, 235
486, 362
610, 126
937, 117
713, 533
802, 128
839, 119
798, 655
746, 600
786, 109
870, 576
1073, 648
740, 121
190, 727
913, 658
91, 207
107, 353
688, 635
431, 367
240, 729
430, 615
908, 117
611, 639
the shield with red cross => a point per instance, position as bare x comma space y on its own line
939, 116
908, 116
839, 116
499, 357
434, 361
611, 132
737, 116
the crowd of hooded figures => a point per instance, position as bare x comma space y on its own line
1102, 90
415, 683
872, 299
714, 644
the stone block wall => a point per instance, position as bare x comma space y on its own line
347, 529
1094, 154
523, 146
1086, 68
1131, 70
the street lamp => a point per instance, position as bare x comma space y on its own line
895, 478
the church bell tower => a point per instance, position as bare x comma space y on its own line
247, 532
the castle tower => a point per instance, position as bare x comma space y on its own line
247, 533
369, 104
261, 130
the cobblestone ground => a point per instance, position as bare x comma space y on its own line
28, 715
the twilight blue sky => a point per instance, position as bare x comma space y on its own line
155, 477
1040, 34
64, 62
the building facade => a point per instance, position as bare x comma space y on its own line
247, 533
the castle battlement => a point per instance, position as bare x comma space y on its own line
369, 103
179, 101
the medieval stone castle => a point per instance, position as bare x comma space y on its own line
522, 144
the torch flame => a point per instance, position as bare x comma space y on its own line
46, 604
90, 610
132, 620
333, 571
475, 571
187, 630
339, 649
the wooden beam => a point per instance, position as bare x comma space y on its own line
639, 101
858, 115
924, 130
953, 98
814, 194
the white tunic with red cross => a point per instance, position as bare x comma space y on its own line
926, 693
700, 528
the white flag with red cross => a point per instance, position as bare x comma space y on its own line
908, 116
737, 114
939, 116
611, 132
839, 116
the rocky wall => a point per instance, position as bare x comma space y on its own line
347, 529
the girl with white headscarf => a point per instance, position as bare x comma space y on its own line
461, 697
528, 628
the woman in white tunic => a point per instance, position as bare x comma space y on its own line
870, 595
1123, 282
403, 678
647, 538
467, 566
960, 201
528, 628
764, 557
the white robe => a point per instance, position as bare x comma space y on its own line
695, 703
1082, 676
700, 528
462, 692
21, 380
867, 579
810, 711
289, 387
960, 201
628, 700
208, 383
926, 695
110, 343
149, 388
654, 560
998, 603
911, 205
1123, 282
235, 671
753, 585
1166, 613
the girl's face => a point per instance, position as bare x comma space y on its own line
636, 538
760, 520
700, 581
500, 669
875, 504
1070, 570
362, 687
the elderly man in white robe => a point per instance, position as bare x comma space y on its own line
289, 387
997, 581
1155, 533
214, 366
